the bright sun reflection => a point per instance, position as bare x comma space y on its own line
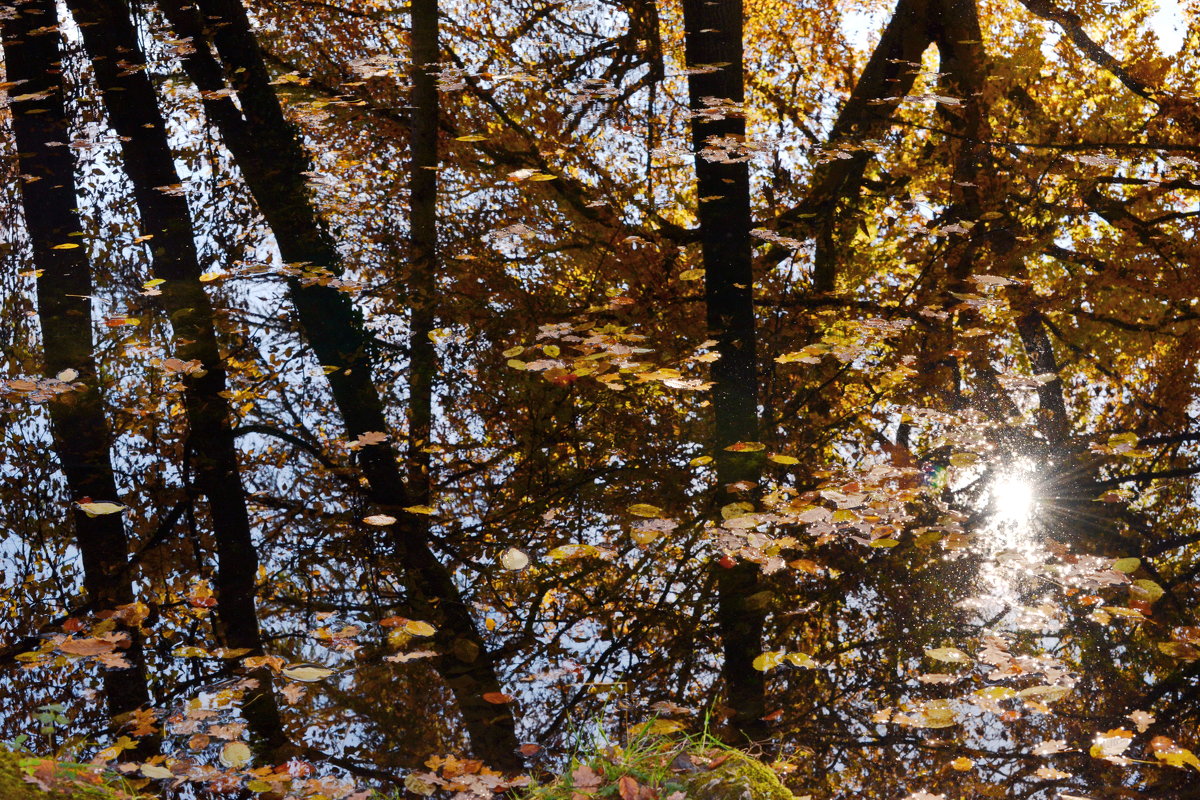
1009, 541
1012, 498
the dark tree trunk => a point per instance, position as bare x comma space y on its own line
713, 36
423, 251
82, 439
132, 107
273, 162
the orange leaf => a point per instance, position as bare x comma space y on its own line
497, 698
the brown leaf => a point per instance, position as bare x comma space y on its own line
586, 779
86, 647
628, 787
718, 761
497, 698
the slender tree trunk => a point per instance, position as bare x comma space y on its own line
713, 41
423, 250
132, 107
273, 162
82, 439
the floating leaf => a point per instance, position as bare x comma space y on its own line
691, 275
235, 755
97, 509
951, 655
1171, 754
418, 628
379, 520
156, 771
497, 698
86, 647
513, 559
746, 447
645, 510
190, 652
656, 727
471, 137
700, 461
769, 660
1180, 650
419, 509
306, 673
571, 551
1127, 564
782, 459
802, 660
1047, 693
937, 714
1147, 590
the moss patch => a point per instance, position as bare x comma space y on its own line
67, 781
738, 777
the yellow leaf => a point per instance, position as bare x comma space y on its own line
570, 551
235, 755
97, 509
691, 275
938, 714
513, 351
656, 727
768, 660
190, 652
961, 764
471, 137
801, 660
542, 176
419, 509
700, 461
150, 284
781, 459
418, 628
516, 363
1127, 564
645, 510
66, 246
210, 276
644, 536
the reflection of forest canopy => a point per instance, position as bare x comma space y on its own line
384, 380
